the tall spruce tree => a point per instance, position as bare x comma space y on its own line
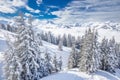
60, 63
48, 63
55, 63
104, 50
12, 68
73, 59
89, 59
27, 51
60, 45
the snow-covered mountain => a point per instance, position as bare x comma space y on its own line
107, 30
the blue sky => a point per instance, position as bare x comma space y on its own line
63, 11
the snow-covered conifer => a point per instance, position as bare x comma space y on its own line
73, 59
60, 63
60, 45
55, 63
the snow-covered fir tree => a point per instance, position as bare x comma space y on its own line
39, 39
64, 40
73, 59
12, 68
117, 51
104, 50
78, 42
60, 63
69, 40
27, 52
88, 53
48, 63
60, 45
55, 63
110, 55
49, 35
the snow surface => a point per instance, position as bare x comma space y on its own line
73, 74
53, 49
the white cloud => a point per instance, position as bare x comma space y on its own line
18, 3
32, 10
8, 6
37, 11
89, 10
28, 14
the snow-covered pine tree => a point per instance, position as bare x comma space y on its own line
117, 51
27, 50
73, 59
111, 56
103, 51
60, 63
83, 54
95, 52
12, 68
89, 59
49, 37
55, 63
38, 39
109, 59
48, 63
78, 42
64, 40
69, 40
60, 45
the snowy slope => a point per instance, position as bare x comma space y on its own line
74, 74
53, 49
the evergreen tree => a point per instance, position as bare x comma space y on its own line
60, 63
55, 63
12, 68
117, 51
78, 42
48, 64
104, 50
89, 60
27, 52
73, 59
64, 40
60, 44
38, 39
49, 37
69, 40
109, 60
111, 56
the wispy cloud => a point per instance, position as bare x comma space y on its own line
9, 6
32, 10
89, 10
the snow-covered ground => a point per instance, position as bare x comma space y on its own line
53, 49
73, 74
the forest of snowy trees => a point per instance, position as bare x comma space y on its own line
25, 61
93, 55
